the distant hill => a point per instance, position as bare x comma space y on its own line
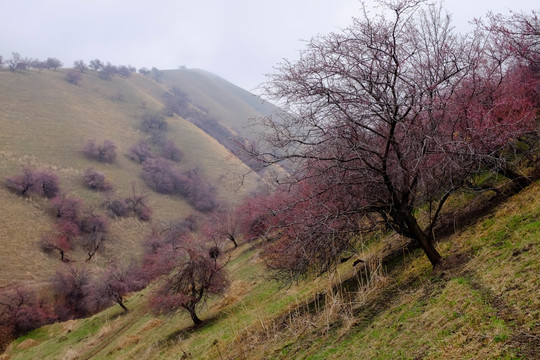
45, 122
234, 106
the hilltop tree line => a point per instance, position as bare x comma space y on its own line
17, 62
105, 70
385, 121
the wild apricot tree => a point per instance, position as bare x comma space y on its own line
372, 130
195, 275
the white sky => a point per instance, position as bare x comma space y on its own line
240, 40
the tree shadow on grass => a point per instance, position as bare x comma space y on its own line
185, 333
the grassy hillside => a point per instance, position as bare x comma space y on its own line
234, 106
44, 123
483, 305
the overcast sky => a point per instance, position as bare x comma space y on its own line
240, 40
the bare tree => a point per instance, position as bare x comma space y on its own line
95, 180
96, 65
94, 228
68, 285
41, 182
140, 152
14, 63
53, 63
372, 125
223, 224
111, 286
80, 65
21, 310
105, 152
195, 276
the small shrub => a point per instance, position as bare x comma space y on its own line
152, 122
144, 213
41, 182
65, 208
105, 152
171, 152
95, 180
73, 77
119, 208
162, 177
140, 152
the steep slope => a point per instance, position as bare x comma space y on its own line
483, 306
45, 122
234, 106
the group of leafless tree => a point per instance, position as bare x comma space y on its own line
384, 121
159, 169
18, 63
393, 114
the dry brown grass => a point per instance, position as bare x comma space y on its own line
49, 128
28, 343
69, 326
237, 289
152, 324
127, 341
71, 354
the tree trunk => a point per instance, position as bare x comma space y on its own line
193, 315
425, 241
122, 306
233, 241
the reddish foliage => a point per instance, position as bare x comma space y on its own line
222, 226
373, 130
94, 228
253, 217
21, 311
515, 36
160, 246
55, 242
111, 286
200, 193
41, 182
140, 152
73, 77
66, 208
163, 177
68, 285
195, 275
105, 152
61, 239
144, 213
171, 152
95, 180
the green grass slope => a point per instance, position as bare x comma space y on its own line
44, 123
483, 305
